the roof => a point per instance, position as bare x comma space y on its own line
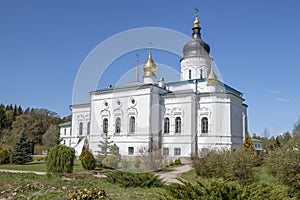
256, 140
65, 124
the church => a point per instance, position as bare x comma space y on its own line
196, 113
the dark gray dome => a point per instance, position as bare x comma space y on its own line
196, 46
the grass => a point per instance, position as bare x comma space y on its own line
40, 166
30, 186
189, 176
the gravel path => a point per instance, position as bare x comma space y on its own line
171, 176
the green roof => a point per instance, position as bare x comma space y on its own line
256, 140
65, 124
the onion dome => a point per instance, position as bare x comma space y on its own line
150, 66
196, 46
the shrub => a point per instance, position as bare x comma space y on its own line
111, 161
177, 162
171, 163
88, 194
125, 163
220, 189
88, 161
60, 159
126, 179
166, 164
234, 166
137, 162
4, 156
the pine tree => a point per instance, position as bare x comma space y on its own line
21, 153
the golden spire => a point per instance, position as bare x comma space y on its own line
150, 66
212, 78
196, 22
137, 68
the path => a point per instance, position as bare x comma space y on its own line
171, 176
22, 171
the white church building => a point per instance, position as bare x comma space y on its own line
196, 113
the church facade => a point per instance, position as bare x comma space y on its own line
196, 113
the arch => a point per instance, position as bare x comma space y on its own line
105, 125
167, 125
177, 125
204, 125
118, 125
132, 125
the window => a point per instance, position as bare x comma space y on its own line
105, 125
167, 125
88, 128
165, 151
204, 125
131, 125
80, 128
190, 74
64, 142
177, 151
65, 131
130, 150
177, 125
118, 125
201, 73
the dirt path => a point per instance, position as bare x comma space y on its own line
171, 176
22, 171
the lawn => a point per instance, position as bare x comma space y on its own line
40, 166
31, 186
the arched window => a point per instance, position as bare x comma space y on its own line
118, 125
204, 125
177, 125
167, 125
105, 125
88, 128
131, 125
190, 74
80, 128
201, 73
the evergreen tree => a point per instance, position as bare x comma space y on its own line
60, 159
104, 146
248, 145
21, 153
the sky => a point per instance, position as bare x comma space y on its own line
255, 45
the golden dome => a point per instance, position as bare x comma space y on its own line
212, 78
150, 66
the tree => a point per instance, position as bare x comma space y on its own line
21, 152
60, 159
248, 145
51, 137
104, 146
88, 161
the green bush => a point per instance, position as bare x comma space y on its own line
177, 162
4, 156
60, 159
171, 163
88, 161
137, 162
125, 163
126, 179
111, 161
88, 194
234, 166
166, 164
220, 189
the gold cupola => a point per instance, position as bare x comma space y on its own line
212, 78
150, 66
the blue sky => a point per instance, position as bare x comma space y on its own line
255, 45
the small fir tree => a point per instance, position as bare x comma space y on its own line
88, 161
21, 152
84, 149
104, 146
